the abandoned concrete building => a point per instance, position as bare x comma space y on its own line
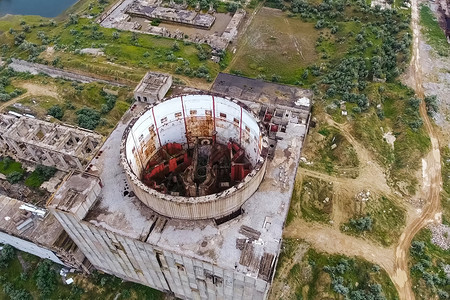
171, 15
46, 143
153, 87
34, 230
187, 195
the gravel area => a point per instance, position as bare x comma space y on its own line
440, 235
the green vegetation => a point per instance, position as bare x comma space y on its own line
320, 276
445, 152
128, 55
432, 105
9, 166
400, 113
56, 112
329, 151
312, 198
433, 32
345, 51
35, 278
109, 103
427, 268
381, 220
88, 118
40, 175
15, 173
7, 91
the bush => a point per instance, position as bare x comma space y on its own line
417, 248
110, 103
14, 177
88, 118
44, 172
6, 254
431, 103
46, 278
56, 111
362, 224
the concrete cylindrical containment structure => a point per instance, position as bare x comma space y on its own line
195, 156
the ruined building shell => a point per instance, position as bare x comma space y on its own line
191, 120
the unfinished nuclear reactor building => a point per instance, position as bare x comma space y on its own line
187, 195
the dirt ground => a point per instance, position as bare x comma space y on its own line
33, 89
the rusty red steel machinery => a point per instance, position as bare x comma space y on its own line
202, 169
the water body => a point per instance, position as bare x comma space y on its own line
44, 8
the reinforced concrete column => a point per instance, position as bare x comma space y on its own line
32, 152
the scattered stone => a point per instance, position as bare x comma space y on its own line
440, 235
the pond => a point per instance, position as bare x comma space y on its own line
44, 8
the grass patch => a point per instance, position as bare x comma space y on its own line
276, 47
327, 150
8, 166
433, 32
399, 116
426, 265
387, 221
127, 55
312, 199
81, 95
445, 152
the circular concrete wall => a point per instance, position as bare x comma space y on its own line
189, 120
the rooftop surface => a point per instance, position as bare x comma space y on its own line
151, 83
259, 91
17, 219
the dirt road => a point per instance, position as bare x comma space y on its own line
432, 173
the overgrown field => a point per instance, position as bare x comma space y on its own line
276, 47
35, 278
94, 106
327, 150
312, 199
317, 275
433, 32
427, 264
127, 56
381, 220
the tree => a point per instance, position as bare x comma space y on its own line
14, 177
88, 118
175, 46
116, 35
6, 254
414, 102
45, 172
56, 111
362, 224
46, 278
431, 103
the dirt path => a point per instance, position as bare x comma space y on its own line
331, 240
431, 169
32, 90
